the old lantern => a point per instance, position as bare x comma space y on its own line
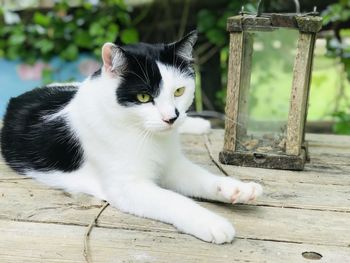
257, 54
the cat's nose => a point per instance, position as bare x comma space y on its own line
171, 120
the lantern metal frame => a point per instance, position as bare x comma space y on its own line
239, 73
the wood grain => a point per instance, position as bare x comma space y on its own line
300, 211
63, 243
299, 93
233, 89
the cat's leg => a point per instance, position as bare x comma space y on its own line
192, 180
147, 199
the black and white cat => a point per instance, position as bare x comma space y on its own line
115, 136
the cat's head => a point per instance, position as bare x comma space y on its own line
156, 82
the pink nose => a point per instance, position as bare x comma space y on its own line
171, 120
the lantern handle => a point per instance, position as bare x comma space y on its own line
260, 7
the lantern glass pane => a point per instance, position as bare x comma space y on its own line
265, 94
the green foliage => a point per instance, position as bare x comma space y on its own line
129, 36
212, 24
66, 31
342, 126
337, 48
336, 13
47, 76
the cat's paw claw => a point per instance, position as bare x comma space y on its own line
235, 196
219, 232
238, 192
211, 228
252, 196
222, 234
257, 191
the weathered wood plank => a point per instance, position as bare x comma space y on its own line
235, 71
319, 171
24, 201
281, 193
62, 243
299, 93
328, 146
309, 24
51, 223
330, 160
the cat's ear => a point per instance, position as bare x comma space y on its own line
114, 59
184, 47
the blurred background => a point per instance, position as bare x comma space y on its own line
42, 41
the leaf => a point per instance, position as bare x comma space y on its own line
66, 31
342, 125
96, 29
83, 39
342, 128
47, 76
44, 45
97, 52
216, 36
70, 53
129, 36
12, 52
41, 19
113, 29
206, 20
17, 39
99, 41
123, 17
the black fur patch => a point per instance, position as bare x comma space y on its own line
142, 74
29, 142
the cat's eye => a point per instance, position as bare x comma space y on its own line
143, 97
179, 92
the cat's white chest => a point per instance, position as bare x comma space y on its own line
131, 155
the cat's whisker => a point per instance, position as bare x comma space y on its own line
144, 136
139, 138
238, 123
174, 56
138, 125
181, 64
148, 79
142, 69
137, 75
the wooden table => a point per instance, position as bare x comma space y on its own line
300, 212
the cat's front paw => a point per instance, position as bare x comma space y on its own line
195, 126
233, 191
212, 228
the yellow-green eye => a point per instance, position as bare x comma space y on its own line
143, 97
179, 92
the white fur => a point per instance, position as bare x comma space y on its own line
132, 158
193, 125
63, 84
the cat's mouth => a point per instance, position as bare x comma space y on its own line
162, 128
